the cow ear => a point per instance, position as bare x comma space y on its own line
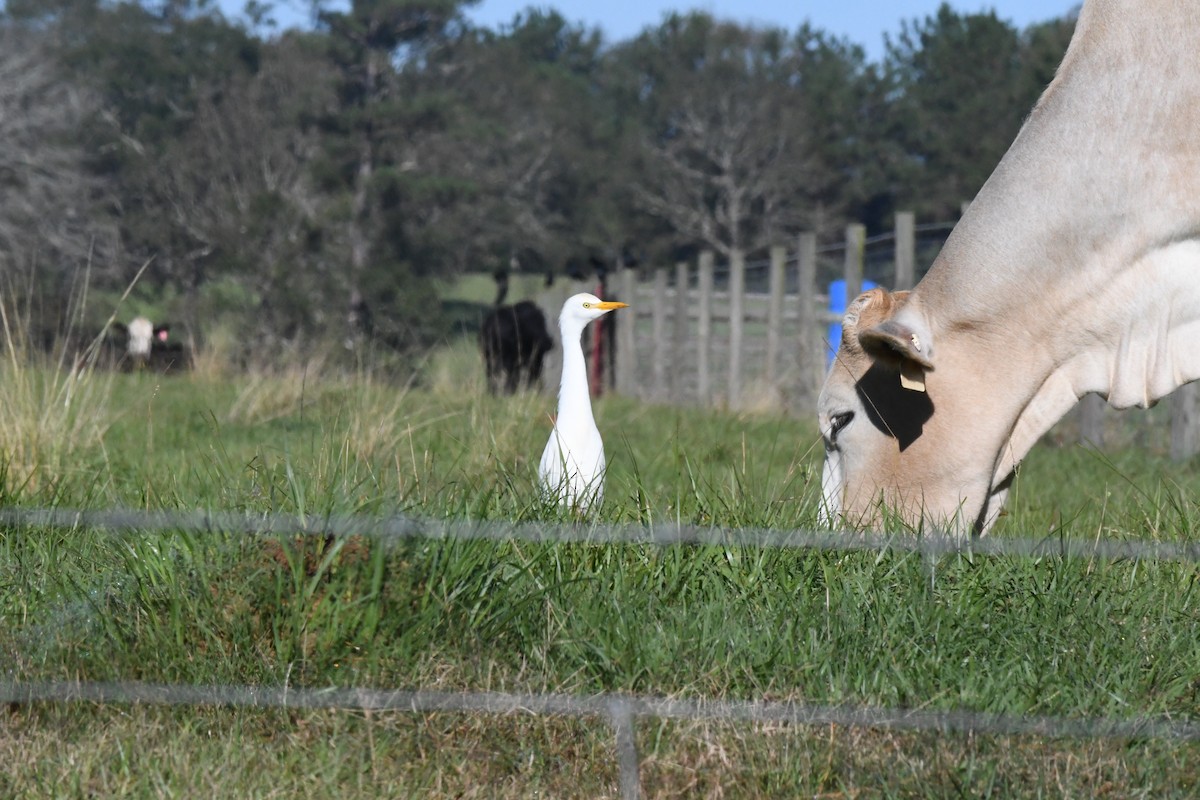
895, 336
892, 340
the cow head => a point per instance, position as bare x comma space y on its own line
141, 336
900, 435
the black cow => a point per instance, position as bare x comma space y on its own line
514, 340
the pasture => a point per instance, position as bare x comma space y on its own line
1046, 636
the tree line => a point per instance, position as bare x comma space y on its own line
299, 187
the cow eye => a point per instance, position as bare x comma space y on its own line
837, 422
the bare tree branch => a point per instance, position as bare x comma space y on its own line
47, 197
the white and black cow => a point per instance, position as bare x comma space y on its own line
1075, 270
144, 345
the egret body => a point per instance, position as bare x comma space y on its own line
572, 467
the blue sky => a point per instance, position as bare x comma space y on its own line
862, 21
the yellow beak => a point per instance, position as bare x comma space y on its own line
609, 305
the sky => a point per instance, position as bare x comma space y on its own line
863, 22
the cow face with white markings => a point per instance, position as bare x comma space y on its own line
141, 337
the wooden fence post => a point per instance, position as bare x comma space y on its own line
737, 323
704, 283
812, 335
660, 336
775, 316
679, 332
1185, 422
626, 367
856, 237
906, 249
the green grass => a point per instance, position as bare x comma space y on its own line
480, 287
996, 634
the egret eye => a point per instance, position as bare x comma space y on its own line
587, 305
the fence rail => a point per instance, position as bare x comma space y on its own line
621, 711
757, 333
744, 331
724, 332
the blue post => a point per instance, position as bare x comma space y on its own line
837, 305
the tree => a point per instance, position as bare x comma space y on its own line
958, 104
1042, 49
150, 70
372, 152
236, 188
525, 150
850, 128
52, 223
725, 159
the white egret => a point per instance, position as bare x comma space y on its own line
572, 466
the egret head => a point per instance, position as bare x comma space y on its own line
582, 308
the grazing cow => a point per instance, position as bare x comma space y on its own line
514, 340
1075, 270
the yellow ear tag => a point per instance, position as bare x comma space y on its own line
912, 376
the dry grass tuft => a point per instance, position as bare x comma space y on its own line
455, 369
51, 411
215, 360
268, 395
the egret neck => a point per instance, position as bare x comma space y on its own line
574, 394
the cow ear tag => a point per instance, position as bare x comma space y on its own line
912, 376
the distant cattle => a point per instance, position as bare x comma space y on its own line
514, 340
140, 345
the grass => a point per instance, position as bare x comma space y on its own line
1008, 635
480, 288
152, 752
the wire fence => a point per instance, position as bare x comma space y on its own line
400, 527
621, 711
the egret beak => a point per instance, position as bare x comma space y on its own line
609, 305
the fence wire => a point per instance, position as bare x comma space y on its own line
616, 708
401, 527
619, 710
